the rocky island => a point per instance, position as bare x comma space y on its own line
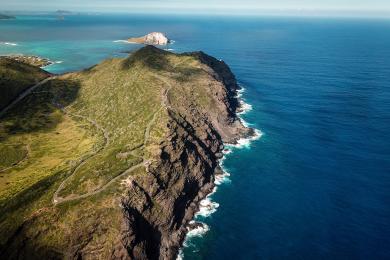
154, 38
112, 162
6, 17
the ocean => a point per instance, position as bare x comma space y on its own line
316, 183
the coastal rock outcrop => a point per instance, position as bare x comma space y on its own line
31, 60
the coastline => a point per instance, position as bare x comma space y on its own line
182, 185
33, 60
206, 206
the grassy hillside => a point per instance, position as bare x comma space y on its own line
72, 143
15, 77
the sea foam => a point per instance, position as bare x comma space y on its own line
124, 41
9, 43
246, 142
198, 231
207, 206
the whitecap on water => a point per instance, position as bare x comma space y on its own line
222, 178
124, 41
207, 206
9, 43
244, 108
180, 256
246, 142
240, 91
199, 231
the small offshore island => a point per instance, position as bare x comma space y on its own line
6, 17
154, 38
111, 162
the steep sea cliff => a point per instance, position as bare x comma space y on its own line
191, 156
164, 180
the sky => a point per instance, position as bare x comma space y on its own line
368, 7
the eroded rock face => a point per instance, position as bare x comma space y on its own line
154, 38
167, 199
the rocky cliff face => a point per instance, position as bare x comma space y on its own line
154, 38
167, 199
147, 217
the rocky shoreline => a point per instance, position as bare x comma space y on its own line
243, 132
200, 227
154, 210
186, 171
31, 60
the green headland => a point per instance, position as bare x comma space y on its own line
110, 162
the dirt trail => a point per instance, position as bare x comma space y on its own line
164, 104
56, 198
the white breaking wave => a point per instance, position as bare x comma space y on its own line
180, 256
52, 63
240, 91
9, 43
222, 178
124, 41
246, 142
244, 108
207, 206
198, 231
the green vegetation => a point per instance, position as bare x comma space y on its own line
11, 155
15, 77
68, 145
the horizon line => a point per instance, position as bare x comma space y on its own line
321, 13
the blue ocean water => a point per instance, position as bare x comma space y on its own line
316, 185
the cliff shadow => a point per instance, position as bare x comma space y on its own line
40, 110
147, 237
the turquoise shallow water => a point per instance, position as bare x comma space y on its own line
316, 185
